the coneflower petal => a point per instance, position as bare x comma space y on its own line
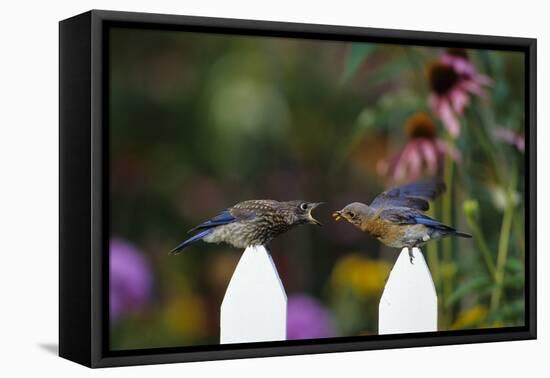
430, 156
414, 160
449, 119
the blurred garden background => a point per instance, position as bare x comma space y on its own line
199, 122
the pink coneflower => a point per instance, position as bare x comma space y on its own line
423, 153
511, 137
453, 79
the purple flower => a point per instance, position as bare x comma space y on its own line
307, 318
453, 79
130, 279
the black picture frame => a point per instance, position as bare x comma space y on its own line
84, 184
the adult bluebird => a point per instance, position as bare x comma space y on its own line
396, 217
255, 222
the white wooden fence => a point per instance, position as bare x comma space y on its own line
409, 301
255, 304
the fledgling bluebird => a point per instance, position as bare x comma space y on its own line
255, 222
396, 217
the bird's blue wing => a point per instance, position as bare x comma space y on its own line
399, 215
414, 195
432, 223
425, 220
225, 217
403, 216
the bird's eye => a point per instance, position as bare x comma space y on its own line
303, 206
351, 214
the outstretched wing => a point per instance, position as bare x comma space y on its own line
414, 195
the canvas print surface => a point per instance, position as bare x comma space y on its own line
340, 159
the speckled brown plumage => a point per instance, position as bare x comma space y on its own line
254, 222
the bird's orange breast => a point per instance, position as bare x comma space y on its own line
388, 233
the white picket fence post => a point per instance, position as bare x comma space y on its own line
409, 301
255, 304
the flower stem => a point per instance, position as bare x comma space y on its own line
483, 246
503, 244
520, 235
446, 215
483, 141
433, 258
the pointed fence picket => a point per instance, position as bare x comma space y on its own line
409, 301
254, 307
255, 304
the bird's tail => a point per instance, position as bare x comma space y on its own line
462, 234
188, 242
442, 228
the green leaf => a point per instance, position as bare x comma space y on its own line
513, 312
388, 71
357, 54
467, 287
514, 282
365, 121
514, 265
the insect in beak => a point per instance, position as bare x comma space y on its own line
337, 215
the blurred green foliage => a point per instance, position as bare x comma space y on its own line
199, 122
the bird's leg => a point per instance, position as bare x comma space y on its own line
411, 256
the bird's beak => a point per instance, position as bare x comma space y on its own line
337, 215
311, 219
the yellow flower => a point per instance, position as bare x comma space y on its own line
495, 324
186, 315
471, 317
365, 277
